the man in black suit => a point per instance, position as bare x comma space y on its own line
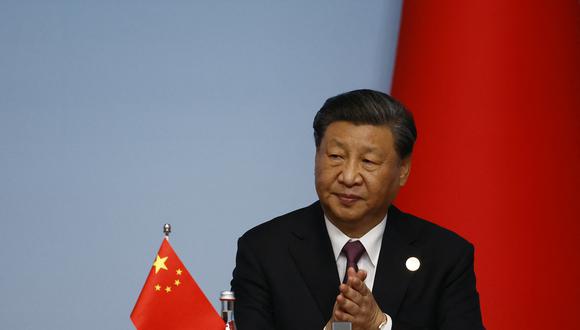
397, 271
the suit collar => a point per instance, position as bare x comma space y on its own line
392, 276
311, 250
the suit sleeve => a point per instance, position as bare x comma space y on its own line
459, 305
253, 308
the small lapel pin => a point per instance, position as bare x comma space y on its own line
413, 264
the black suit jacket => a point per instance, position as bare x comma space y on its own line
286, 278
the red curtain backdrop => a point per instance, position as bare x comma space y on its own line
494, 86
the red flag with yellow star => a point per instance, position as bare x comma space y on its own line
171, 300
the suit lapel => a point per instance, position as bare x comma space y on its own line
392, 276
311, 250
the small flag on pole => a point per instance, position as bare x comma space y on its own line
170, 298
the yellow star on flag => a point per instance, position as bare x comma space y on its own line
177, 282
178, 272
159, 264
158, 287
167, 289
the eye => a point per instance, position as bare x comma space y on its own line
369, 164
336, 158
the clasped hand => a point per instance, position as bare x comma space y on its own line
356, 304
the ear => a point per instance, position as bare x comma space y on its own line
405, 170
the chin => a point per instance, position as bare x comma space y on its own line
346, 217
341, 213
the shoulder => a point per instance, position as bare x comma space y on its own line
280, 227
428, 234
444, 254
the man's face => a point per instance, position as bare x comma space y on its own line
358, 173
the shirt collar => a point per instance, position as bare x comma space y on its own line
372, 240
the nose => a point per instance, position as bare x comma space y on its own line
350, 174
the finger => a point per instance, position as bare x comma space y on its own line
362, 274
359, 286
356, 280
346, 305
349, 293
342, 316
350, 275
351, 271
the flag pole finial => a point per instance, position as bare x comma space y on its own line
166, 230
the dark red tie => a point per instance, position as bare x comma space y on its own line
353, 250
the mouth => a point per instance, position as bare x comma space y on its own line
348, 199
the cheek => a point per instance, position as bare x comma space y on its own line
324, 176
318, 176
382, 183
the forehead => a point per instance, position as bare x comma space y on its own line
349, 135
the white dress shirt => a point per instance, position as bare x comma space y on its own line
372, 241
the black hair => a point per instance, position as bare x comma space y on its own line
368, 107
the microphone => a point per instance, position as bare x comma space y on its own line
341, 326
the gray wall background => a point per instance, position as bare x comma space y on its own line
119, 116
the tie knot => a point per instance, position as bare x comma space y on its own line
353, 250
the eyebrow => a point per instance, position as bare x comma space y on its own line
337, 142
366, 149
